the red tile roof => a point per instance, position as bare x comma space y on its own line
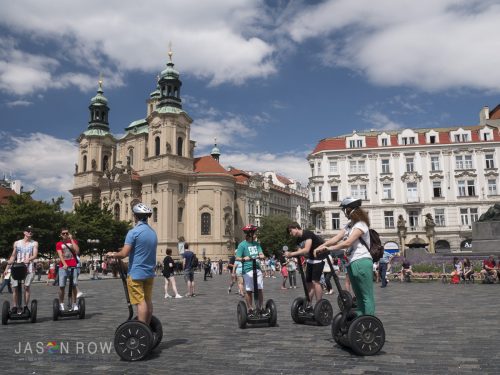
284, 180
207, 164
4, 194
241, 177
495, 113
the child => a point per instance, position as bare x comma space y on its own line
52, 273
284, 273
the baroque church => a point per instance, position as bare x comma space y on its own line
193, 199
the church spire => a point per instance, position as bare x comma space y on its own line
99, 110
170, 85
215, 151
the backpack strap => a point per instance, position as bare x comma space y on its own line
364, 243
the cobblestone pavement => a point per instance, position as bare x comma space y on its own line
431, 328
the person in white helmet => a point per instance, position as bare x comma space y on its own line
360, 262
140, 248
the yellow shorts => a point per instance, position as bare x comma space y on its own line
140, 290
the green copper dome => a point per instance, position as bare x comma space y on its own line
170, 72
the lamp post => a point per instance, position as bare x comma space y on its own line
93, 242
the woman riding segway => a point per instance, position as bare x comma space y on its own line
358, 329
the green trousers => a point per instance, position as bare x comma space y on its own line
361, 277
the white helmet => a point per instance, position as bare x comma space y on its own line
142, 209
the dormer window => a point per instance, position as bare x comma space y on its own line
384, 141
460, 135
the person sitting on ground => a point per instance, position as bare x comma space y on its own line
457, 272
406, 271
489, 269
248, 250
468, 270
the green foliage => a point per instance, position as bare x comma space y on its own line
88, 221
273, 236
22, 210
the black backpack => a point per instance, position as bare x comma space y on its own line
376, 248
194, 261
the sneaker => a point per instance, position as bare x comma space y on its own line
168, 296
178, 296
228, 290
75, 307
61, 307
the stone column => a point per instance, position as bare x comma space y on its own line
402, 234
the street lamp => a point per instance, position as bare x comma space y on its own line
93, 242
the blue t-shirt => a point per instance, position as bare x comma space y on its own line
142, 258
386, 258
188, 255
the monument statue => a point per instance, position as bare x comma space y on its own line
493, 213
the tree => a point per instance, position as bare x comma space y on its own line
273, 235
90, 221
22, 210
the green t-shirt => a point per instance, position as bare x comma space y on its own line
249, 249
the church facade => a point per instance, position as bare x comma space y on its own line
193, 199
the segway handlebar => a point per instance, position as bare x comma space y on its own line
125, 288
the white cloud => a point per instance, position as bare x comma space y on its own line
292, 165
41, 162
381, 121
18, 103
432, 45
216, 40
229, 132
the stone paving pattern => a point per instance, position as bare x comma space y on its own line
431, 328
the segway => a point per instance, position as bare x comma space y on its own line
18, 273
134, 340
68, 311
365, 334
259, 315
303, 311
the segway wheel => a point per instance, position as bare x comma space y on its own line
81, 308
133, 340
157, 330
366, 335
344, 300
55, 309
323, 312
298, 304
34, 307
271, 307
337, 329
242, 315
5, 312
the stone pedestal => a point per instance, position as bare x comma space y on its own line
486, 237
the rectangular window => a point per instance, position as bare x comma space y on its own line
335, 221
412, 140
413, 219
359, 143
387, 191
320, 193
439, 217
486, 136
384, 142
461, 188
389, 219
312, 169
459, 162
409, 165
358, 191
435, 163
404, 140
473, 215
385, 166
489, 161
333, 167
457, 137
334, 193
492, 187
352, 144
357, 166
432, 139
465, 137
468, 162
205, 224
361, 166
436, 188
464, 216
180, 211
318, 169
411, 189
471, 188
313, 194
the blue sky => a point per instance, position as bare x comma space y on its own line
269, 79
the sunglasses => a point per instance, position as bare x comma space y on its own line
65, 233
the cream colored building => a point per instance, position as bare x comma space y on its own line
192, 198
450, 173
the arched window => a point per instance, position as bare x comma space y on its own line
205, 224
117, 212
180, 212
155, 214
130, 160
105, 165
157, 146
179, 146
85, 163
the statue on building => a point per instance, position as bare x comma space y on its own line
493, 213
169, 148
429, 225
76, 168
94, 165
402, 226
229, 223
